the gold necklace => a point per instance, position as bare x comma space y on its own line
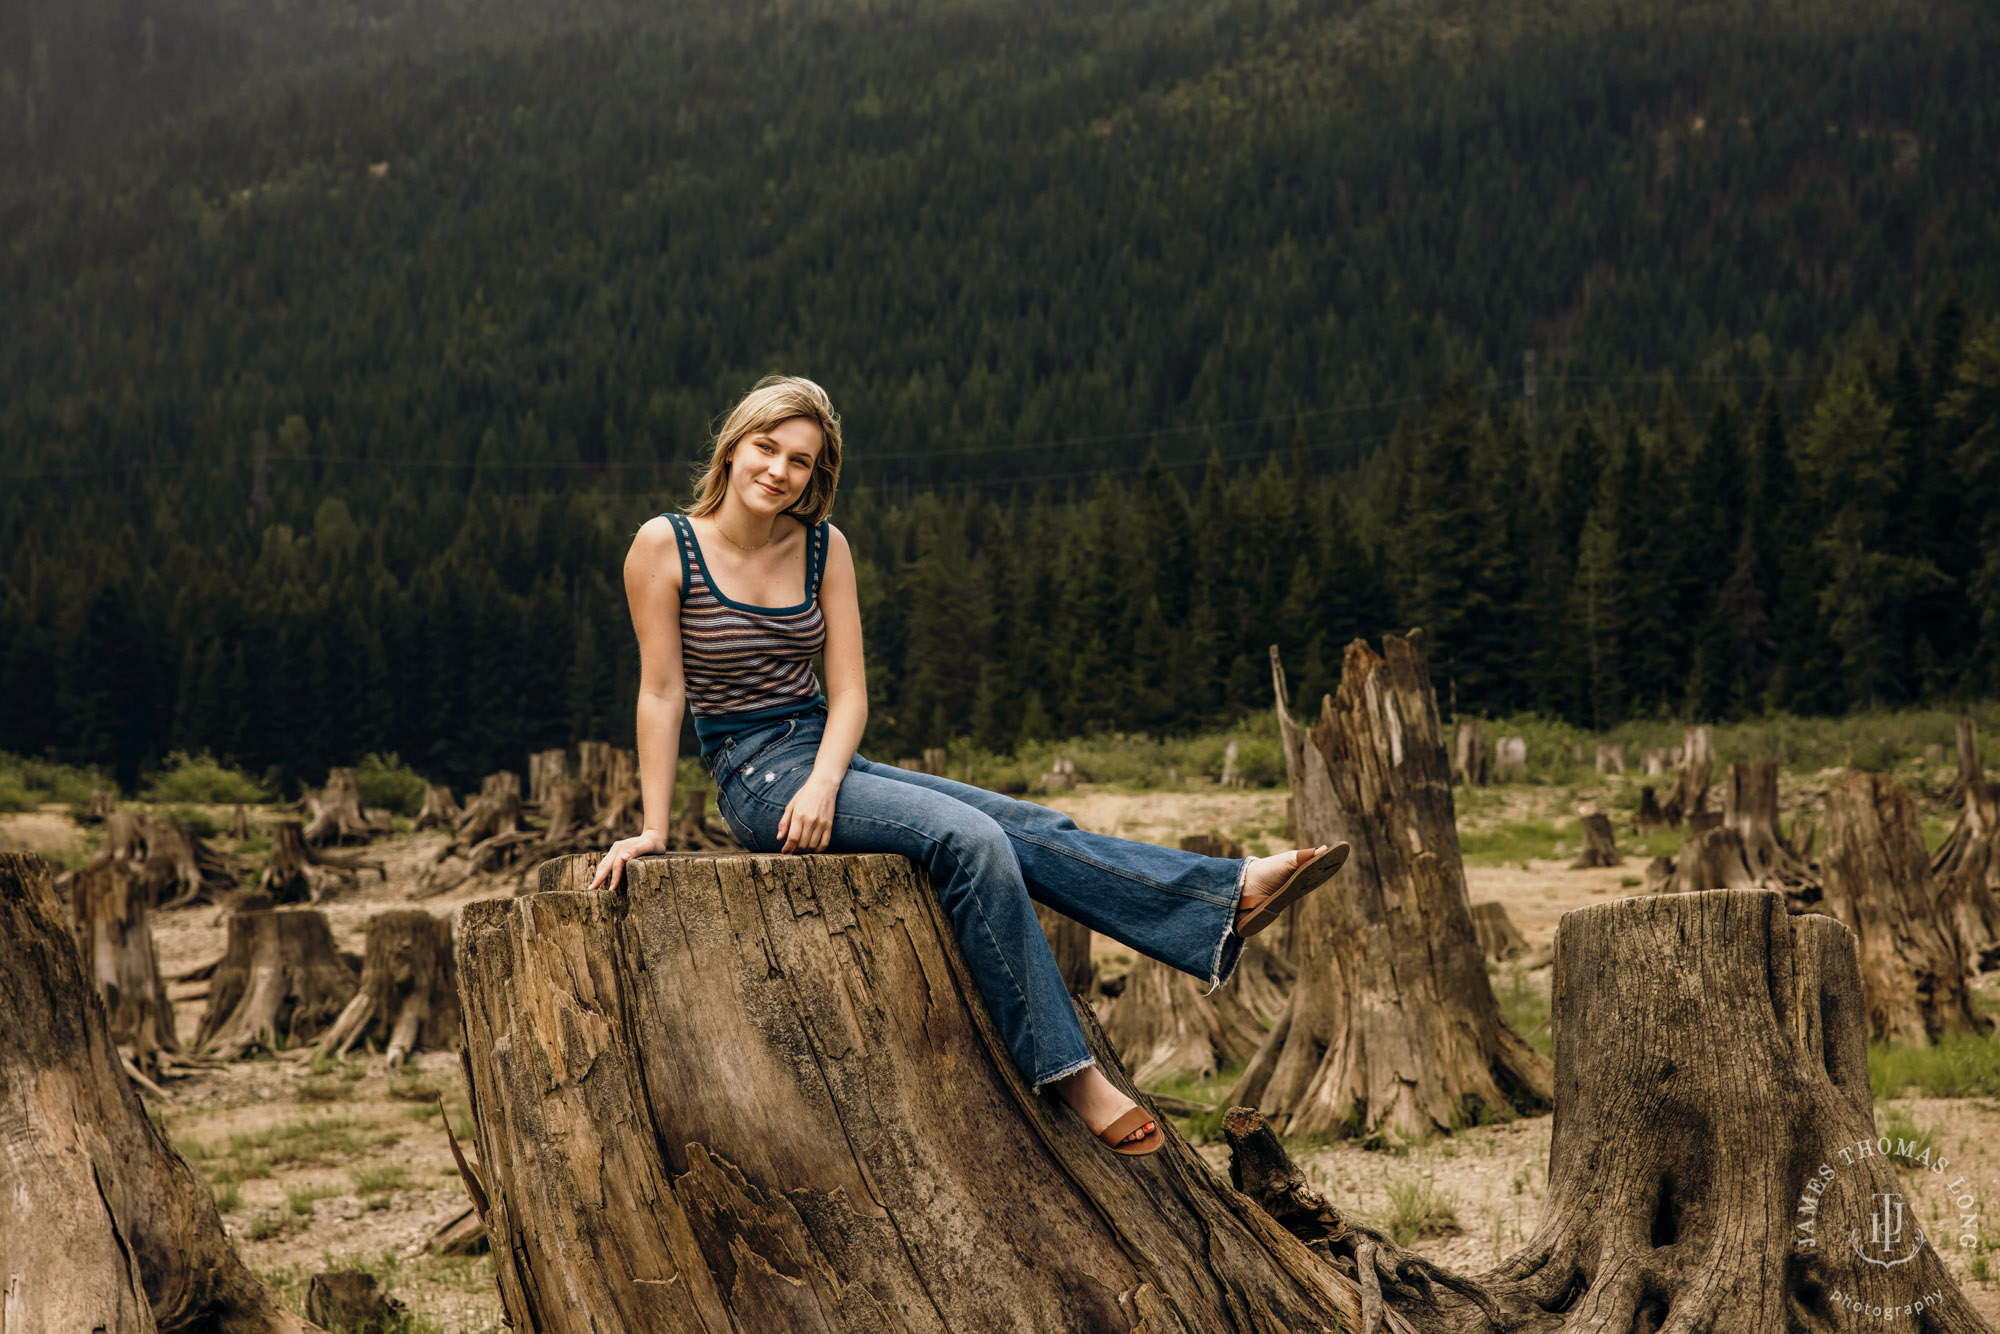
740, 547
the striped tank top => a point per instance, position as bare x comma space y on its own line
746, 666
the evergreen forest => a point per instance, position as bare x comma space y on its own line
1646, 355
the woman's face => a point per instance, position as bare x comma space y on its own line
769, 470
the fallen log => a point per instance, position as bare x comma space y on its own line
1392, 1025
871, 1161
103, 1226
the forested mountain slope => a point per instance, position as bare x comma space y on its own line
477, 304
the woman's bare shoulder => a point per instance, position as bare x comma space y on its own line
654, 550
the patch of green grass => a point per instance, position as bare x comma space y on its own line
229, 1197
301, 1199
467, 1274
1896, 1125
415, 1088
1526, 1009
1417, 1209
1212, 1089
311, 1142
1512, 841
272, 1223
1957, 1065
376, 1180
324, 1089
205, 780
456, 1108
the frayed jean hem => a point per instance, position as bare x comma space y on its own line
1216, 977
1065, 1072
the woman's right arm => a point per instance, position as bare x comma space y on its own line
653, 592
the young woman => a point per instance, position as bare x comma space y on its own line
732, 599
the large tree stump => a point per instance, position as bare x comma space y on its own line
1967, 866
496, 810
280, 983
1713, 859
1697, 767
1263, 981
108, 916
1468, 753
1711, 1057
1649, 816
1069, 941
692, 830
1750, 808
1165, 1025
1878, 883
408, 996
180, 868
1510, 759
1600, 848
1495, 932
1714, 1165
1392, 1025
1610, 758
102, 1225
440, 808
298, 872
548, 771
761, 1093
103, 801
339, 816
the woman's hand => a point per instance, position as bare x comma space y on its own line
807, 824
642, 844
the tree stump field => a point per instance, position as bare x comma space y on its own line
759, 1092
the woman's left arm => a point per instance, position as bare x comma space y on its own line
807, 823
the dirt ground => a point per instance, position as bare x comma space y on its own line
347, 1166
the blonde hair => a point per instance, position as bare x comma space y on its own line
775, 399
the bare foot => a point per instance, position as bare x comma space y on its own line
1266, 874
1098, 1101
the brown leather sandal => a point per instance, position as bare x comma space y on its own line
1128, 1123
1305, 877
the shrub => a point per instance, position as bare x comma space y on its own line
26, 784
386, 781
196, 822
203, 778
